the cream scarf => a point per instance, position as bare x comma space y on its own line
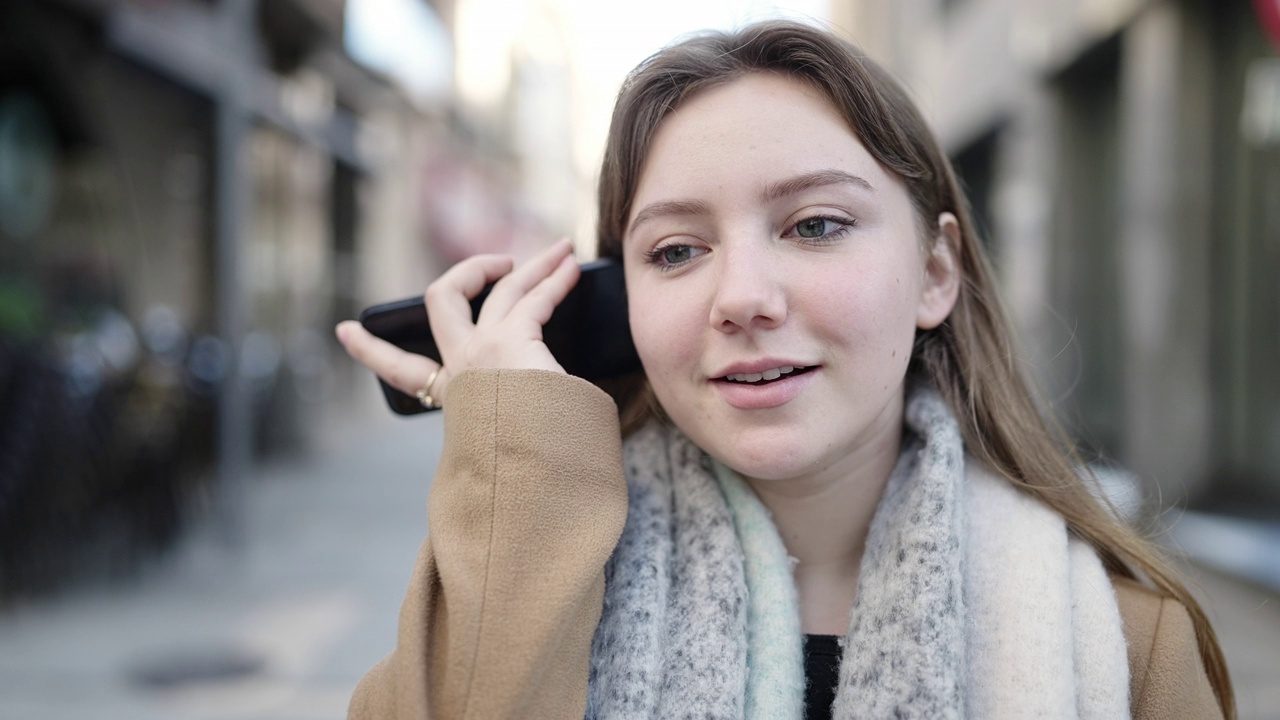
973, 602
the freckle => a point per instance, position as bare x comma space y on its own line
895, 354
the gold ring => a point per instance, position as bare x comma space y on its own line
424, 395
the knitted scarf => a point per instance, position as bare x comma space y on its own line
973, 599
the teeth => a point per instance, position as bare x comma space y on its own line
772, 374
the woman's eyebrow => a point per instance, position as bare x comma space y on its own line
668, 209
780, 189
800, 183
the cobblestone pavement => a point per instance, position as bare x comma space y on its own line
309, 601
1247, 620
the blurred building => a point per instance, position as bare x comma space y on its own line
191, 194
519, 86
1123, 159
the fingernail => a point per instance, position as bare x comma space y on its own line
340, 330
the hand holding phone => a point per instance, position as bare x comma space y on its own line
583, 327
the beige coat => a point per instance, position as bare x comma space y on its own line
527, 506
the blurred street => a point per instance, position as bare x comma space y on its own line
305, 606
310, 601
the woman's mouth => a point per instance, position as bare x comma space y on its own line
766, 376
768, 388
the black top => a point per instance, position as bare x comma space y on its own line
822, 674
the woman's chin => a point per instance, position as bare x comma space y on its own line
768, 464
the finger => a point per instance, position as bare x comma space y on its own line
448, 299
510, 289
407, 372
540, 302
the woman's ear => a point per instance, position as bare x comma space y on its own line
942, 274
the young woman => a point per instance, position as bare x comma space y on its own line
830, 494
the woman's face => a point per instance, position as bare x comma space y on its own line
776, 277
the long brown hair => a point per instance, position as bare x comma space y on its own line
970, 357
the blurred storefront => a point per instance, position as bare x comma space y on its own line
1124, 157
191, 194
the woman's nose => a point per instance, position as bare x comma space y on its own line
749, 292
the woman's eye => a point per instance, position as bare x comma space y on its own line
669, 256
816, 228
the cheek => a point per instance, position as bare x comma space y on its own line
664, 325
873, 315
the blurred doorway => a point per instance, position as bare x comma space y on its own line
1246, 290
1085, 262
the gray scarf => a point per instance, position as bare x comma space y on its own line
973, 600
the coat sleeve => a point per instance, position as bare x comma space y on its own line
526, 508
1166, 676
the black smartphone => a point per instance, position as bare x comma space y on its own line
588, 334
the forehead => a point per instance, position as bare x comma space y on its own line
756, 128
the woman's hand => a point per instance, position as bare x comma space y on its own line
507, 334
